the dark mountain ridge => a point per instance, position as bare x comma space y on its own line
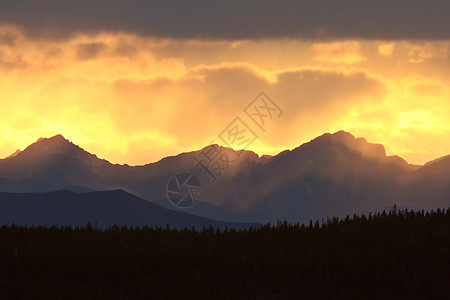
334, 174
102, 209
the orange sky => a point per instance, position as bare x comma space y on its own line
133, 99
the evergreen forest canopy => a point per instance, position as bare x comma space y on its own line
388, 254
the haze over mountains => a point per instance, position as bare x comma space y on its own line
102, 209
334, 174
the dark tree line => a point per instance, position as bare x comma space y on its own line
396, 254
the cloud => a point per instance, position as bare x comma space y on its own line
411, 119
134, 99
7, 39
124, 48
421, 51
425, 88
190, 111
234, 19
89, 50
386, 49
337, 52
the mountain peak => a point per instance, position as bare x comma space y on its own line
55, 144
346, 139
343, 135
57, 138
339, 137
230, 151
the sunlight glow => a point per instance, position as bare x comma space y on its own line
131, 99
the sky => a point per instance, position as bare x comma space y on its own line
135, 81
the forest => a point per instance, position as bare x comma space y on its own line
394, 254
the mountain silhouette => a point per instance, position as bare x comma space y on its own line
429, 186
102, 209
334, 174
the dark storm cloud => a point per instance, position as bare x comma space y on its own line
235, 19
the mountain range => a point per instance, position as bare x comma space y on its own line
332, 175
103, 209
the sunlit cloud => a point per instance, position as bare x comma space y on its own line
386, 49
421, 51
338, 52
135, 99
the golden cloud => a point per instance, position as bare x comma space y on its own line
386, 49
338, 52
421, 51
134, 100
